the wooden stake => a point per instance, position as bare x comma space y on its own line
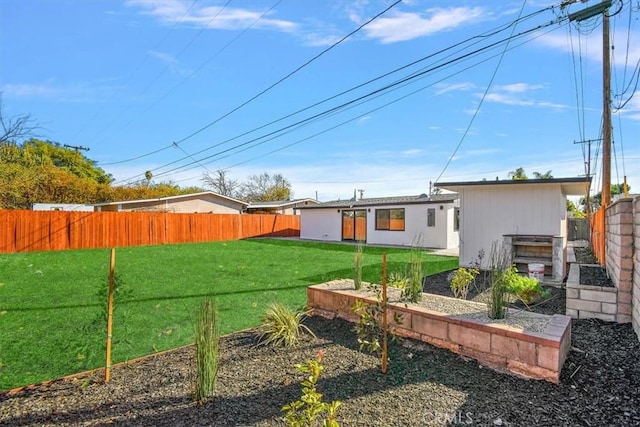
112, 267
384, 313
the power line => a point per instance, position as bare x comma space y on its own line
484, 95
350, 104
253, 98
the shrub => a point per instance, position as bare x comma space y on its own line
369, 325
310, 408
207, 341
282, 326
358, 260
525, 288
398, 280
460, 281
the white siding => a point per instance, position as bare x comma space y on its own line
326, 225
321, 224
489, 212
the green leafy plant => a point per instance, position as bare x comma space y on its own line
282, 326
398, 280
207, 347
461, 280
358, 261
88, 343
310, 410
413, 290
369, 325
525, 288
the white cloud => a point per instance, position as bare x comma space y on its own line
171, 63
213, 17
442, 88
402, 26
77, 92
519, 94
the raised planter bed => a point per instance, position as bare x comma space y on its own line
527, 344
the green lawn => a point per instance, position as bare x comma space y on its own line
52, 303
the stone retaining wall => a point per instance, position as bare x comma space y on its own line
538, 355
585, 302
620, 253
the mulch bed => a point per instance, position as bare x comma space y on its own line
425, 385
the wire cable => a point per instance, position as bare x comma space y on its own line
484, 95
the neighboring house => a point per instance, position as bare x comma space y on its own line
205, 202
283, 207
62, 207
421, 221
529, 216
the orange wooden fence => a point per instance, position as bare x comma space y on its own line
27, 231
598, 234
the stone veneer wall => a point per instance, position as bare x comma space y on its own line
620, 253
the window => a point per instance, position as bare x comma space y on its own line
431, 217
456, 219
390, 219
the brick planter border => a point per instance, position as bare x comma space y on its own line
501, 347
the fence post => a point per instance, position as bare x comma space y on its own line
112, 265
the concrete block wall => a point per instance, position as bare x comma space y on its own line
635, 299
620, 250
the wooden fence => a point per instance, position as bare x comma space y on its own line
27, 231
597, 234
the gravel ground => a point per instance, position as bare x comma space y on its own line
425, 386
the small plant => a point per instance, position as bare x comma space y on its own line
207, 346
398, 280
309, 410
499, 263
525, 288
358, 260
282, 326
413, 290
369, 326
460, 281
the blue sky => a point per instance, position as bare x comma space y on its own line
182, 88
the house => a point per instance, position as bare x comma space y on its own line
528, 216
421, 221
61, 207
204, 202
283, 207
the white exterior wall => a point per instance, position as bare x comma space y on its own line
321, 224
416, 232
326, 225
62, 207
489, 212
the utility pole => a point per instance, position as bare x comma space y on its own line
606, 112
588, 170
76, 147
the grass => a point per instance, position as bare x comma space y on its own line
49, 301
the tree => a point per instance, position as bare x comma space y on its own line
546, 175
596, 199
17, 127
518, 174
265, 187
221, 184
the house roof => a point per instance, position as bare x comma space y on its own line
181, 196
570, 186
381, 201
279, 203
